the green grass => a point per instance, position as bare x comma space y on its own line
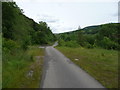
17, 66
100, 63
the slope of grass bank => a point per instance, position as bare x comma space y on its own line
100, 63
23, 69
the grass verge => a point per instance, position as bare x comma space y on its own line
23, 69
100, 63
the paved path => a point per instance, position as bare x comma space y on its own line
60, 72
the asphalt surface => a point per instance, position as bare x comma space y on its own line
60, 72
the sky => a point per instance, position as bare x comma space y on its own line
67, 15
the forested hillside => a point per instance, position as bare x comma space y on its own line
106, 36
21, 37
21, 29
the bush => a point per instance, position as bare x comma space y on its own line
88, 45
61, 42
108, 44
25, 43
9, 45
90, 39
72, 44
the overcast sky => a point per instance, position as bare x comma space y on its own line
68, 15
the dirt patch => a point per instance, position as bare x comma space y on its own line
34, 73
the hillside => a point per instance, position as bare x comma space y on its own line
20, 28
105, 36
21, 38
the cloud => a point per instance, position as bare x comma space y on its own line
59, 28
47, 18
115, 14
56, 25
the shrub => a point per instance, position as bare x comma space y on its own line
9, 45
108, 44
88, 45
90, 39
61, 42
25, 43
72, 44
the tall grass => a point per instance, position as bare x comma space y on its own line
17, 65
100, 63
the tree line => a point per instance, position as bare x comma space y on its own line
105, 36
20, 31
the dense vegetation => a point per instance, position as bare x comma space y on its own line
104, 36
19, 29
19, 33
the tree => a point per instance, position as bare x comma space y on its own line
81, 38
